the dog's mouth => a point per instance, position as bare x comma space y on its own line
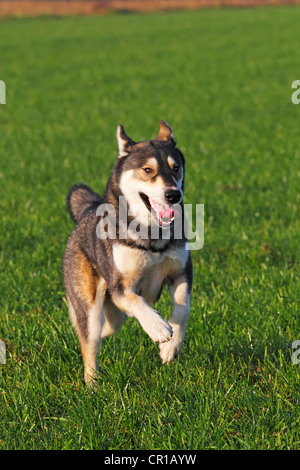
163, 215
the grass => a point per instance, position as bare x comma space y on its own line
222, 79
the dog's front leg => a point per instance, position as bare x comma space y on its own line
179, 288
152, 323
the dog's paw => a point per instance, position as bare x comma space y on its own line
90, 378
162, 331
156, 327
169, 351
159, 330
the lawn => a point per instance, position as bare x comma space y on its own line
222, 79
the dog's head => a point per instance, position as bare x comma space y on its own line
151, 176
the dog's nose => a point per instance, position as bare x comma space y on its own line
173, 195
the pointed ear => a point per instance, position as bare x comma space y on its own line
165, 133
124, 142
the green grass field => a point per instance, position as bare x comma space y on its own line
222, 80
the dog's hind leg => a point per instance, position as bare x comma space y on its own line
88, 320
96, 321
86, 294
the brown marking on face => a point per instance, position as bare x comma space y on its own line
171, 161
149, 170
177, 174
173, 164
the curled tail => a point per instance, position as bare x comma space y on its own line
80, 198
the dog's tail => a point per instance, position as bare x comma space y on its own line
80, 198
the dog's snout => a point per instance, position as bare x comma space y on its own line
173, 195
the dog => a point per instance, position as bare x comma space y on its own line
113, 266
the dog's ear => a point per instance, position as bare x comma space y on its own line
124, 142
165, 133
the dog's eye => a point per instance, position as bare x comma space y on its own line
176, 168
148, 170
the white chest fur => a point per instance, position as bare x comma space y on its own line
146, 271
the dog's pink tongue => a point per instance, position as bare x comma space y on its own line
162, 212
167, 213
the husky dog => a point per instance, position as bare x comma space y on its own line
112, 271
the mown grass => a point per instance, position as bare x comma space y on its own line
222, 79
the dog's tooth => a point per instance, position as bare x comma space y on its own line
152, 204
